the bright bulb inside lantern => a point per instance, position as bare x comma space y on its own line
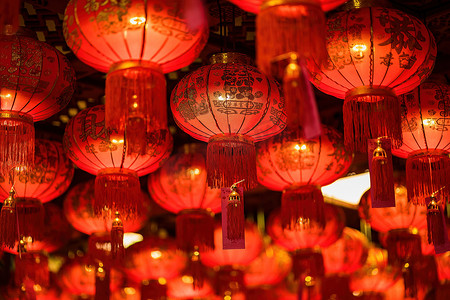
358, 50
135, 105
137, 21
129, 291
300, 147
156, 254
131, 238
347, 191
117, 141
162, 281
187, 279
375, 271
429, 122
6, 96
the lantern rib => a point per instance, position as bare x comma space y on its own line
274, 168
318, 160
125, 42
246, 110
421, 120
209, 102
388, 63
144, 31
442, 130
47, 146
102, 166
351, 57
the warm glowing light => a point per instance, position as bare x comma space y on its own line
129, 291
187, 279
137, 21
359, 48
347, 191
308, 279
227, 297
298, 147
375, 271
130, 238
135, 105
117, 141
156, 254
414, 230
162, 281
7, 96
37, 288
429, 122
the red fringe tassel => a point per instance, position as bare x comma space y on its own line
409, 281
229, 281
195, 230
32, 266
368, 116
133, 102
435, 222
427, 172
403, 246
152, 289
16, 139
102, 282
117, 248
307, 262
229, 159
302, 208
235, 219
8, 222
30, 214
116, 190
196, 270
292, 27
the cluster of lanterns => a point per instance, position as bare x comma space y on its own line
257, 130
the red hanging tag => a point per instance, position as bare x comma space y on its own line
233, 219
381, 173
8, 221
437, 228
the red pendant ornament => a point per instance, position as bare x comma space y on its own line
371, 60
426, 143
180, 186
231, 105
38, 81
233, 218
381, 173
299, 167
101, 151
147, 39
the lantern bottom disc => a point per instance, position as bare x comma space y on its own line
16, 141
231, 158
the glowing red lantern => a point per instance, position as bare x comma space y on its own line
181, 288
374, 54
137, 41
100, 151
80, 213
269, 268
231, 105
347, 254
31, 268
37, 82
180, 186
254, 5
299, 167
47, 179
376, 275
443, 266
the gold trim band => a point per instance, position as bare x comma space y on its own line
230, 57
272, 3
16, 116
231, 138
196, 211
128, 64
117, 171
429, 152
370, 91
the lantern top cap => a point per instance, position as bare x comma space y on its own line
230, 57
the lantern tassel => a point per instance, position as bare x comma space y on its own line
8, 221
30, 215
32, 266
152, 289
102, 281
403, 246
195, 230
196, 270
381, 178
409, 281
235, 215
117, 248
302, 207
435, 222
301, 107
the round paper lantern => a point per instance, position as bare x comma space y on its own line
181, 288
253, 6
129, 292
269, 268
29, 188
220, 257
100, 151
37, 82
299, 167
376, 275
347, 254
137, 41
79, 211
231, 105
443, 266
374, 54
180, 186
77, 277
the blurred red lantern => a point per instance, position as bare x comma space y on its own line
374, 54
79, 211
37, 82
128, 292
299, 167
254, 5
47, 179
231, 105
100, 151
52, 293
269, 268
443, 266
77, 277
137, 41
376, 275
181, 288
347, 254
31, 272
180, 186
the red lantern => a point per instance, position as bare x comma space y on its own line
299, 167
37, 82
254, 5
180, 186
443, 266
137, 41
347, 254
231, 105
31, 268
181, 288
100, 151
80, 213
269, 268
376, 275
47, 179
374, 54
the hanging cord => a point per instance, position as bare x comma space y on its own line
220, 25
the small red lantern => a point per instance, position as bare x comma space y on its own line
347, 254
180, 186
137, 41
443, 266
299, 167
269, 268
37, 82
231, 105
101, 151
47, 179
181, 288
374, 54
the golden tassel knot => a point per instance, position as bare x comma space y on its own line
379, 151
234, 195
10, 202
117, 221
433, 206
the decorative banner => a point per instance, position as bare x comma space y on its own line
227, 242
381, 174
